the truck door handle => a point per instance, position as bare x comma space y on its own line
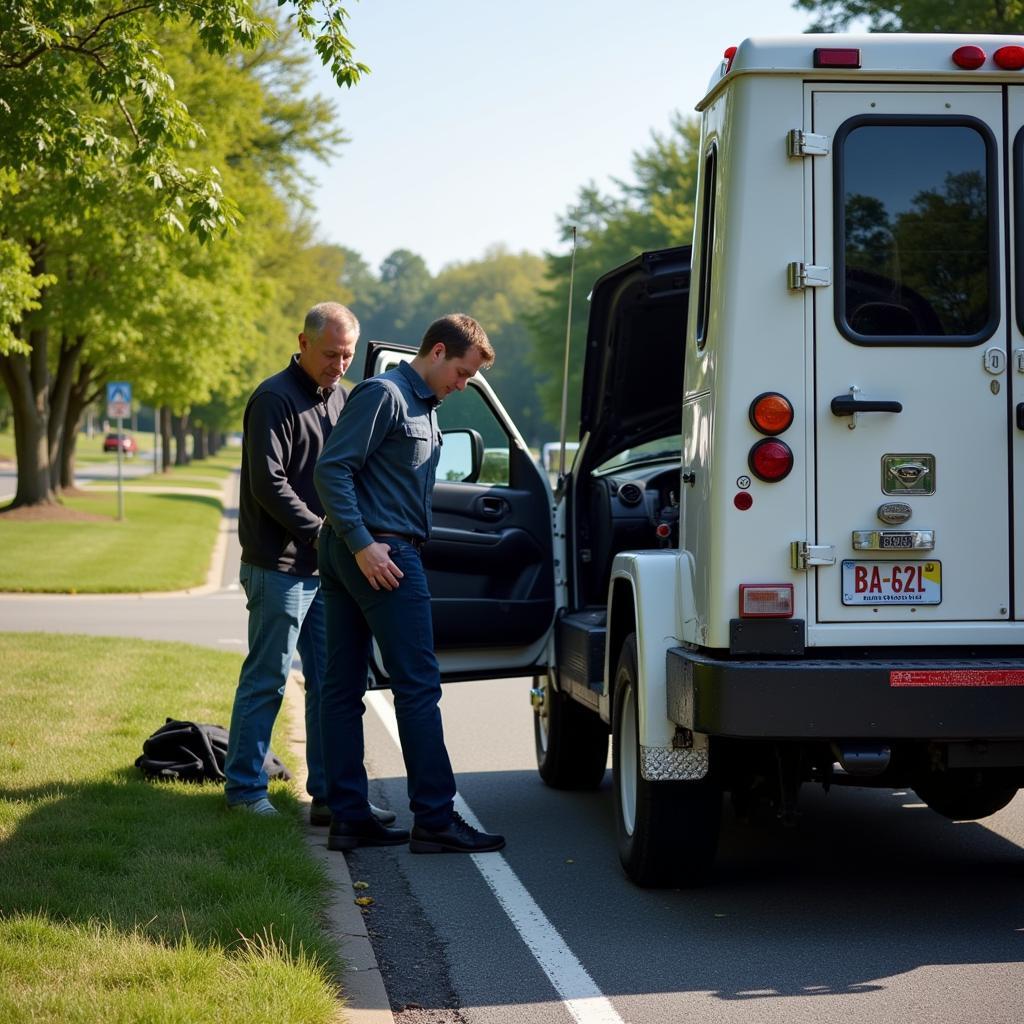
848, 405
492, 508
1020, 415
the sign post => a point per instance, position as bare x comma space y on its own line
119, 407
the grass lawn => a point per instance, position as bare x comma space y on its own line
123, 900
7, 444
163, 543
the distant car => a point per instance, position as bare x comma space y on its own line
128, 444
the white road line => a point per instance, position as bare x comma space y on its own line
579, 992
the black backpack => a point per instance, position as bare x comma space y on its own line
193, 752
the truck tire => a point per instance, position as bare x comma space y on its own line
965, 795
571, 742
667, 831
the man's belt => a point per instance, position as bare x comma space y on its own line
416, 542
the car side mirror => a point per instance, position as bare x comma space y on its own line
462, 456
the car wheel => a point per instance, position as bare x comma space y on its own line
571, 742
965, 795
667, 831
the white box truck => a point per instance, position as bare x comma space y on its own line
787, 549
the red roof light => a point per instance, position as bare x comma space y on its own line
730, 52
835, 58
970, 58
1009, 58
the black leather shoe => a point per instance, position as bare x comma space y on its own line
347, 835
320, 814
457, 837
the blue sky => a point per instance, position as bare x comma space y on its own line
481, 120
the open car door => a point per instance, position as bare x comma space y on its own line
489, 558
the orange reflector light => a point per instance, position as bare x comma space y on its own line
1009, 58
969, 57
836, 58
766, 600
770, 460
771, 413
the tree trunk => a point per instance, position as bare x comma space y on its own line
165, 438
27, 380
199, 449
180, 426
79, 397
60, 391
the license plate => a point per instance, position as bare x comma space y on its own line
892, 582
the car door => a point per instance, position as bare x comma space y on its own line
910, 355
489, 558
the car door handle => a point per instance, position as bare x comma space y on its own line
491, 508
847, 405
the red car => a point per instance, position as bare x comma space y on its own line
127, 443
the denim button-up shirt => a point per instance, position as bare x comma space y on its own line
376, 473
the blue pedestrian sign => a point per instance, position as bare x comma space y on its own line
119, 400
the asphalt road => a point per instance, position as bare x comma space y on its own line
870, 909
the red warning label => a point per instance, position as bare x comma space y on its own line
959, 677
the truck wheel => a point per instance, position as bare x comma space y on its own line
571, 742
667, 831
965, 795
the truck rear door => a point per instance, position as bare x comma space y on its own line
914, 404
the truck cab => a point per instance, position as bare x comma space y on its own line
786, 550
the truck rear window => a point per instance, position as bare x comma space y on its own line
916, 231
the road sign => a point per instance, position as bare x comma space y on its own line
119, 400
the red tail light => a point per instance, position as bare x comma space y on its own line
770, 459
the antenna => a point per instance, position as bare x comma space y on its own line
565, 371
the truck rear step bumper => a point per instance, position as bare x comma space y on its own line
928, 699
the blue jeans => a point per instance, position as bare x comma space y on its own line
401, 623
285, 614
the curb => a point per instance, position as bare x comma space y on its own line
365, 997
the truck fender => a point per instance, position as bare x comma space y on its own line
642, 596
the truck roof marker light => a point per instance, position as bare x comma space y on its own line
770, 459
766, 600
970, 58
836, 58
771, 413
1009, 58
730, 52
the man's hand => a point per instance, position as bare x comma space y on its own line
375, 564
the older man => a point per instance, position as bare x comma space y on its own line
286, 423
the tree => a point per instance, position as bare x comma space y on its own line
653, 212
998, 16
89, 115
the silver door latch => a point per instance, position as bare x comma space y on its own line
805, 275
801, 143
803, 556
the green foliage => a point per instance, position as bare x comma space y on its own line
998, 16
653, 212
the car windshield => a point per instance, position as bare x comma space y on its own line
650, 451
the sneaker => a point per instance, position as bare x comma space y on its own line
347, 835
320, 814
457, 837
262, 807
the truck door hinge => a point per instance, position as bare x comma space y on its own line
804, 275
801, 143
803, 556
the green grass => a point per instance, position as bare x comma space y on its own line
123, 900
164, 543
7, 444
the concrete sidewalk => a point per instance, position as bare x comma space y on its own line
366, 1000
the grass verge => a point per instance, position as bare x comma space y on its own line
124, 900
163, 543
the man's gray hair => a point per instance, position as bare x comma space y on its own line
324, 313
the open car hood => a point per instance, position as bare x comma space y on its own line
636, 337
